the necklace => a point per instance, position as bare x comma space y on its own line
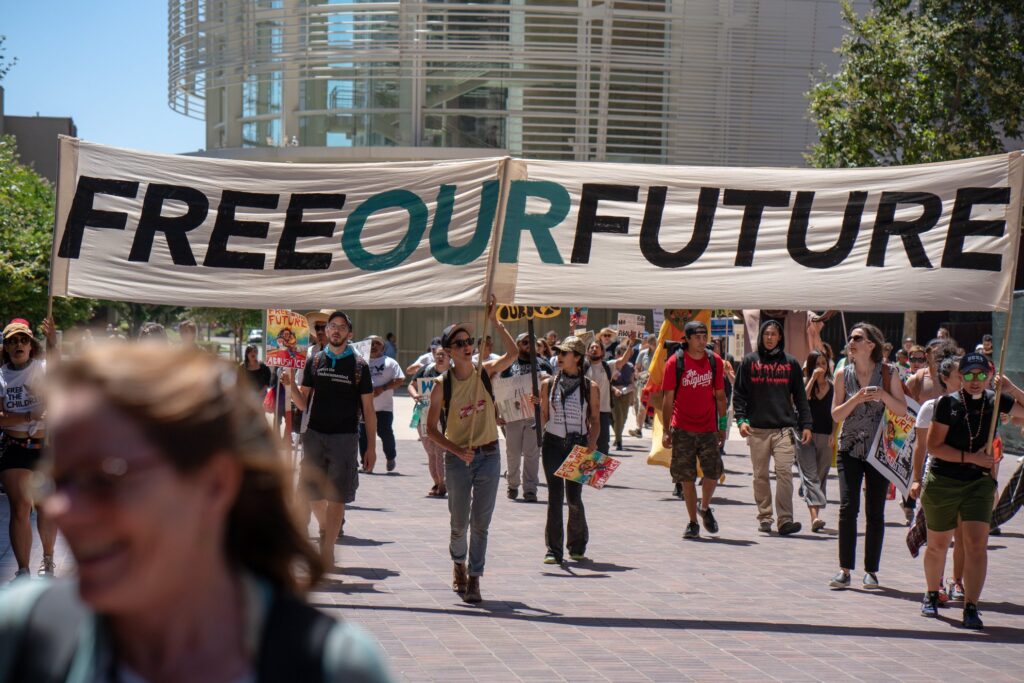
971, 435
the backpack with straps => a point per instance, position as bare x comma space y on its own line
681, 361
604, 363
584, 391
446, 390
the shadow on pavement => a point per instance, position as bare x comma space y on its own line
717, 540
337, 586
951, 608
361, 542
378, 573
993, 634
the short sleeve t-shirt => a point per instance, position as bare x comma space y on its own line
968, 431
383, 371
695, 409
22, 391
337, 398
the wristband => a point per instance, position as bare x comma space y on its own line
723, 422
742, 421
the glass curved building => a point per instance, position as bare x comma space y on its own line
717, 82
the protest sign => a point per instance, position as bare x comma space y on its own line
508, 313
510, 397
892, 449
199, 231
631, 322
577, 319
287, 339
658, 318
362, 348
585, 466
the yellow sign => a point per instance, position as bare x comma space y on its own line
507, 313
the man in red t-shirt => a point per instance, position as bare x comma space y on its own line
695, 410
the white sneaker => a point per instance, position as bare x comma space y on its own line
47, 567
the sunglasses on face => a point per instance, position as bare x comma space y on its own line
918, 359
461, 343
16, 340
319, 327
856, 338
975, 376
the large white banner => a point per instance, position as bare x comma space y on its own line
167, 229
197, 231
930, 237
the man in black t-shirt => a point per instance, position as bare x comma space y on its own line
959, 487
336, 387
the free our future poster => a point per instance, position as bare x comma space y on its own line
585, 466
287, 339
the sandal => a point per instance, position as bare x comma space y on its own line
433, 491
442, 491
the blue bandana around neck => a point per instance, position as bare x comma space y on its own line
344, 354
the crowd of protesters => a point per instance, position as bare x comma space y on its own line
805, 412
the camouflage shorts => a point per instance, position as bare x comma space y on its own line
688, 448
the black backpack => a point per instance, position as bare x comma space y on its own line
446, 390
292, 646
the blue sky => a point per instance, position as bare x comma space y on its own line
101, 62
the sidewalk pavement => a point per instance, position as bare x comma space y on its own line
649, 606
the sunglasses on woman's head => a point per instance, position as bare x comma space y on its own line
460, 343
975, 376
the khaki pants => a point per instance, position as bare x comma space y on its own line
778, 444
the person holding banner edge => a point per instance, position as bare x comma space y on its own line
959, 483
863, 389
470, 439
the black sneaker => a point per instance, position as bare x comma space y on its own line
789, 528
391, 464
930, 606
710, 524
530, 497
513, 492
677, 491
692, 530
972, 618
618, 445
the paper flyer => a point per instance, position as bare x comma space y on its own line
584, 466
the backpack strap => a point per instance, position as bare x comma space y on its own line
50, 638
681, 365
446, 391
292, 647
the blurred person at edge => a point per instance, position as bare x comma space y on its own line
173, 497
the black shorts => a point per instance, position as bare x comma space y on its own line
330, 466
15, 456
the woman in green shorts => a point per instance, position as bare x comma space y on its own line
959, 482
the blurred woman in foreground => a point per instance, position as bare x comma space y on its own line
169, 489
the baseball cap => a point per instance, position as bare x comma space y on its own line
522, 336
18, 326
574, 344
343, 315
693, 327
448, 333
974, 361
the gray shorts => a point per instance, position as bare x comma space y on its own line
330, 466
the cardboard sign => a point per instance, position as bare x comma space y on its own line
577, 319
630, 323
508, 313
510, 397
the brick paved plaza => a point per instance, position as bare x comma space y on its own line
649, 606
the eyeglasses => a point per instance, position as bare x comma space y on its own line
337, 326
975, 376
461, 343
856, 338
17, 339
918, 359
104, 485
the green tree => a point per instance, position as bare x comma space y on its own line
238, 320
26, 237
5, 64
922, 81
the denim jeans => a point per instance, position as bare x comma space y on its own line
553, 454
472, 489
385, 419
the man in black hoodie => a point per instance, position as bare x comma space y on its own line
769, 402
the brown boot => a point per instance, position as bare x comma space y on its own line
472, 593
459, 578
